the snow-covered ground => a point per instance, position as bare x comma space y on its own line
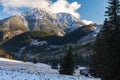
18, 70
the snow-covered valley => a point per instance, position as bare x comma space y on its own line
18, 70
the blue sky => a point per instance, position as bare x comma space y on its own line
89, 10
93, 10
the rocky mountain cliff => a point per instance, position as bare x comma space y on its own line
39, 19
12, 26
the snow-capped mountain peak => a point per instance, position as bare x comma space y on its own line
36, 13
70, 21
65, 17
63, 21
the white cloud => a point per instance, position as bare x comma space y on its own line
64, 6
87, 22
12, 6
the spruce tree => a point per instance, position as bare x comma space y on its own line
67, 63
106, 58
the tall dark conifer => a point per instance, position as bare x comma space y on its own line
67, 63
106, 58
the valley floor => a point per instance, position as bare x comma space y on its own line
18, 70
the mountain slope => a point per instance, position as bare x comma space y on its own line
42, 44
39, 19
14, 44
64, 21
12, 26
70, 21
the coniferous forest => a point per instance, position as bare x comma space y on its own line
106, 59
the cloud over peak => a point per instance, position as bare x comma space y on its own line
12, 6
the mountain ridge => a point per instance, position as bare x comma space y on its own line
39, 20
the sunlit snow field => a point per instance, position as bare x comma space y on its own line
18, 70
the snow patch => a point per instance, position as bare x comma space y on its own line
18, 70
36, 42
